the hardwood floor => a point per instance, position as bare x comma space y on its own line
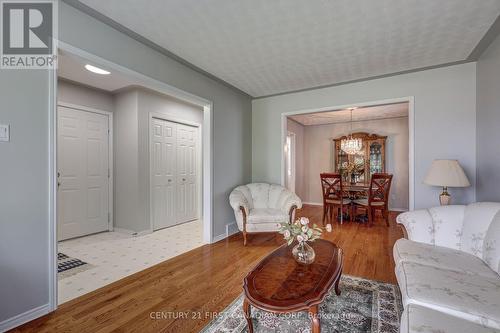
183, 293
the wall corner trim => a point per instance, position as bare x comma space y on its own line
486, 41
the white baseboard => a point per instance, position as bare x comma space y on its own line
131, 232
25, 317
231, 229
219, 238
313, 203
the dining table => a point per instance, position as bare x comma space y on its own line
356, 190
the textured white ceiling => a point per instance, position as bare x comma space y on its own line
361, 114
266, 47
72, 68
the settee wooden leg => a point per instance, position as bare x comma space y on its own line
290, 213
244, 214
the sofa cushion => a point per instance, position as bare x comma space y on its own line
266, 215
491, 246
263, 227
472, 297
419, 319
441, 257
477, 219
260, 194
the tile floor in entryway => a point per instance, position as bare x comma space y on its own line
116, 255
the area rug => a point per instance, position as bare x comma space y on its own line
67, 266
363, 306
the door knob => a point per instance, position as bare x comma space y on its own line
169, 180
183, 179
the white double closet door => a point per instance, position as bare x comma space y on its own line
174, 173
83, 172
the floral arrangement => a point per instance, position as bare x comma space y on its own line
300, 230
349, 168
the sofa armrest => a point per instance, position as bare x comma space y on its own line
291, 203
418, 226
237, 201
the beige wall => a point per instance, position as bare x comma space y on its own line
72, 93
318, 155
298, 130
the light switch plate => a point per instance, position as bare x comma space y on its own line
4, 133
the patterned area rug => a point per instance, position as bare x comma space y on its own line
67, 266
363, 306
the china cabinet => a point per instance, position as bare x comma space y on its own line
358, 168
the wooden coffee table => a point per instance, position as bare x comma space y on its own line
279, 284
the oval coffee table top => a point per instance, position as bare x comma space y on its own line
280, 284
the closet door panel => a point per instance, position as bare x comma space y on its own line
163, 175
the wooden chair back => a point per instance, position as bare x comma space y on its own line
331, 183
380, 186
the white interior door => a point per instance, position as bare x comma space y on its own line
163, 177
174, 173
187, 176
83, 172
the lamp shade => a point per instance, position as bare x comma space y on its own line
446, 173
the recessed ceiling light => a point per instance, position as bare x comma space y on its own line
96, 70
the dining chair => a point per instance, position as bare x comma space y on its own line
378, 197
333, 196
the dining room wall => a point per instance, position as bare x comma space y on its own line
444, 122
319, 155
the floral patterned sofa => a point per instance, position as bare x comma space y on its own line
448, 269
261, 207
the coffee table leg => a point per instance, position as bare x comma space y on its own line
246, 312
313, 312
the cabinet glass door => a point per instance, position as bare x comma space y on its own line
375, 158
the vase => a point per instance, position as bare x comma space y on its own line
303, 253
353, 178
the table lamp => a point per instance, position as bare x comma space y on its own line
446, 173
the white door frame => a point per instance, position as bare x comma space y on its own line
110, 153
411, 135
292, 152
199, 163
147, 82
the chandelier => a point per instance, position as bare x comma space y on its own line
351, 145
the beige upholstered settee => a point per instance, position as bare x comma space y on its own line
261, 207
448, 269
